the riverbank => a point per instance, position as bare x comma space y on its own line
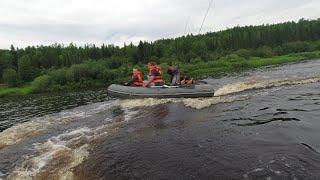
198, 69
25, 90
234, 64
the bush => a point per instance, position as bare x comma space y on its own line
41, 83
264, 51
278, 50
59, 76
10, 77
295, 47
243, 53
196, 60
77, 72
310, 55
109, 76
232, 58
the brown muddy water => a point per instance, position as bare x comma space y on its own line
262, 124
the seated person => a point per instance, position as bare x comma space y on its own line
136, 79
174, 72
186, 80
155, 75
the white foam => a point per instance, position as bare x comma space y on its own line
70, 148
253, 84
31, 128
197, 103
49, 152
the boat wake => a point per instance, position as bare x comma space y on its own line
225, 94
37, 126
56, 157
77, 130
262, 84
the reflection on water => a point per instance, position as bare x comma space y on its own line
265, 126
15, 110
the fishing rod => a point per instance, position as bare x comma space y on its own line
205, 17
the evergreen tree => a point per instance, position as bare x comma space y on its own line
10, 77
25, 69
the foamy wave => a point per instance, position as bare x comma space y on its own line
220, 94
20, 132
56, 157
262, 84
207, 102
133, 103
197, 103
28, 129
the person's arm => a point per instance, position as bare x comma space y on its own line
149, 82
153, 75
132, 80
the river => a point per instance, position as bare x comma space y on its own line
262, 124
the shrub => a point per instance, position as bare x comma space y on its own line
232, 58
278, 50
310, 55
59, 76
10, 77
109, 76
264, 51
295, 47
77, 72
243, 53
196, 60
41, 83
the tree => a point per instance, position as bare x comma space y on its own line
5, 58
14, 55
10, 77
25, 69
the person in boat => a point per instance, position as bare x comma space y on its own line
174, 72
154, 75
136, 79
186, 80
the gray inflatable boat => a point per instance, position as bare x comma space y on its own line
195, 91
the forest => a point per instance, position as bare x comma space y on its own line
70, 67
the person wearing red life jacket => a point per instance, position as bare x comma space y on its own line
154, 75
136, 79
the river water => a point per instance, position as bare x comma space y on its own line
262, 124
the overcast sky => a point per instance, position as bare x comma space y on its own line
37, 22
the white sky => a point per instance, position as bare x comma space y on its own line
44, 22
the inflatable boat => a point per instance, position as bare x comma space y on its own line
194, 91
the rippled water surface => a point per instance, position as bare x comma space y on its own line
15, 110
262, 124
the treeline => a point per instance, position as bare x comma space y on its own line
58, 66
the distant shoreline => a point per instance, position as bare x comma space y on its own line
197, 70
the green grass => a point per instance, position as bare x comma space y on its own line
18, 91
197, 70
219, 68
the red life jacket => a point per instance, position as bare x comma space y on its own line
157, 78
138, 78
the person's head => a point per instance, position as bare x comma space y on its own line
134, 70
172, 68
152, 64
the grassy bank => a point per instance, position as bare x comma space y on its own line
233, 64
5, 91
197, 69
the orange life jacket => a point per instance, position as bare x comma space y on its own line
157, 78
138, 78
